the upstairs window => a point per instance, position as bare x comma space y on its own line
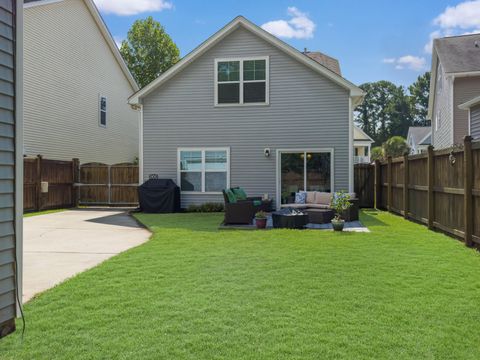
103, 111
241, 81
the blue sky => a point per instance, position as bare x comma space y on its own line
373, 39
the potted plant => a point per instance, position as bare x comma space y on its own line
261, 220
340, 204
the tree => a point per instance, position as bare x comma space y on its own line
419, 93
384, 112
148, 51
395, 146
377, 153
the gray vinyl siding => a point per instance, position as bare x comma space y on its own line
465, 89
475, 122
306, 111
442, 135
7, 163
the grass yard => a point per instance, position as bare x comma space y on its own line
192, 292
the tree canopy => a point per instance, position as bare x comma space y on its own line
389, 110
148, 50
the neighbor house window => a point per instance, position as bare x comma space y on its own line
241, 81
204, 170
103, 111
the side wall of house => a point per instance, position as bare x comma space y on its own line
442, 130
475, 122
465, 89
68, 66
306, 111
7, 166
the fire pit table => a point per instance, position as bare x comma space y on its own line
289, 219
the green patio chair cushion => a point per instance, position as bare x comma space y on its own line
232, 199
239, 193
257, 202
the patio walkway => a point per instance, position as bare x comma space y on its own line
60, 245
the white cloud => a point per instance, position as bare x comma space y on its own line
118, 41
132, 7
465, 15
300, 26
409, 62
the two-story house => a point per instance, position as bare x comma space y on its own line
76, 86
455, 81
246, 109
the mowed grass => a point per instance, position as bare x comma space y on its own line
43, 212
193, 292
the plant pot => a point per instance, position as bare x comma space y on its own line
338, 225
261, 223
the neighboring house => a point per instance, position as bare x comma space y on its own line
455, 80
76, 86
11, 163
473, 109
246, 109
362, 146
419, 138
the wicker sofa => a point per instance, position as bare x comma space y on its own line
242, 209
321, 201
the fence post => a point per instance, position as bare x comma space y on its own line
389, 183
468, 187
405, 186
378, 185
430, 176
76, 180
38, 186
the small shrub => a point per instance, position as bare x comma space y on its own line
260, 215
205, 208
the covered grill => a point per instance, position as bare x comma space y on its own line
159, 196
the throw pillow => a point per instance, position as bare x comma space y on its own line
232, 199
300, 197
310, 197
240, 194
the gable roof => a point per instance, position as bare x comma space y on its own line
355, 92
329, 62
103, 29
459, 54
360, 135
419, 134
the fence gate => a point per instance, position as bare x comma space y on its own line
101, 184
57, 178
365, 184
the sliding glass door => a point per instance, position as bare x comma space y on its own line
304, 170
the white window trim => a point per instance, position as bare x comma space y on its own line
202, 170
100, 96
241, 81
279, 167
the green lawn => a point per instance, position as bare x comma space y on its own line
192, 292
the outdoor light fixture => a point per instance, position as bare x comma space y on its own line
267, 152
452, 158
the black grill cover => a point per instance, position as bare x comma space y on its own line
159, 196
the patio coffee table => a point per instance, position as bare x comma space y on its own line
289, 219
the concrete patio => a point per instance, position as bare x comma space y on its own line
60, 245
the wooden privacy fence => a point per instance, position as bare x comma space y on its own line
440, 189
101, 184
364, 175
60, 178
68, 184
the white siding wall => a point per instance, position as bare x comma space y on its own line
442, 136
68, 64
306, 111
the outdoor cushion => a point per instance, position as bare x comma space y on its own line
318, 206
232, 199
239, 193
300, 197
310, 197
323, 198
